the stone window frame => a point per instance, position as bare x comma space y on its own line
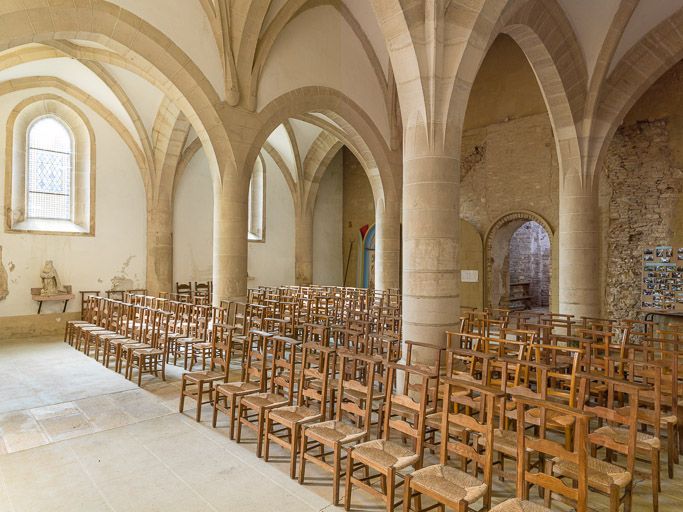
257, 196
19, 122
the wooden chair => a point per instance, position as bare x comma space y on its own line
85, 295
251, 411
184, 289
448, 485
253, 379
386, 456
352, 422
197, 326
619, 435
311, 403
151, 360
196, 385
555, 453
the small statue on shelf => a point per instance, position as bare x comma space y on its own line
51, 283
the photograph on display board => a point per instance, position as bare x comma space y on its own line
662, 280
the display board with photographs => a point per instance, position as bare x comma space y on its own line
663, 278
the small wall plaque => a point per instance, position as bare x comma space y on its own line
469, 276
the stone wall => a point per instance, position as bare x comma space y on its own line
530, 261
644, 184
508, 167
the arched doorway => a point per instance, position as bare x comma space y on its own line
518, 262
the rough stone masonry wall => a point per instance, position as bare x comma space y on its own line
644, 185
508, 167
530, 261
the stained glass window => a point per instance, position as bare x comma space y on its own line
50, 154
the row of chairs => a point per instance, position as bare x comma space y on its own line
142, 333
320, 400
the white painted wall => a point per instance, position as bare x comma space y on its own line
193, 223
271, 263
328, 263
87, 263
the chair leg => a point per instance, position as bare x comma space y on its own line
406, 494
239, 422
293, 452
656, 485
266, 449
302, 454
391, 489
336, 476
142, 361
259, 433
233, 400
200, 397
347, 488
614, 498
182, 396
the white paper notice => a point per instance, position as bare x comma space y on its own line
469, 276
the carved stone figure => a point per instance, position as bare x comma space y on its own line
4, 289
51, 283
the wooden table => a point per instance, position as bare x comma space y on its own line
660, 312
65, 297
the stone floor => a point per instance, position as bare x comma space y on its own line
76, 436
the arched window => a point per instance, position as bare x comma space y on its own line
257, 206
49, 170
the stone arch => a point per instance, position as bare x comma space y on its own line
260, 52
127, 34
35, 82
359, 132
512, 217
657, 52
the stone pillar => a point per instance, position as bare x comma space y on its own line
579, 251
303, 249
160, 249
230, 225
431, 232
387, 244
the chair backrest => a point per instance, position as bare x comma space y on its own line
283, 375
356, 390
469, 364
550, 449
430, 353
316, 362
395, 419
183, 288
221, 342
465, 447
619, 391
565, 362
255, 370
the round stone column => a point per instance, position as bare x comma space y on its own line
230, 225
431, 232
579, 251
387, 244
159, 249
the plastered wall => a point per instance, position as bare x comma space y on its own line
193, 223
328, 264
115, 255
